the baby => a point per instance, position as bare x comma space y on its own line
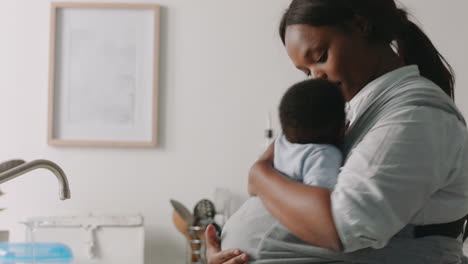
312, 116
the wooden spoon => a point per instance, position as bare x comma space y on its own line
183, 228
180, 224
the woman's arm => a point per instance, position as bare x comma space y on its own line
304, 210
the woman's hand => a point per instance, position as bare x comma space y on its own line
214, 255
269, 154
264, 162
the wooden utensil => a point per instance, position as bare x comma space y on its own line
183, 228
180, 224
183, 211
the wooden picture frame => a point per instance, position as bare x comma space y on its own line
103, 74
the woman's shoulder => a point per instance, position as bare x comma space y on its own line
418, 97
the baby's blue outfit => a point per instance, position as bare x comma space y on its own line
311, 164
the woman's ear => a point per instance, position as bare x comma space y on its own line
361, 25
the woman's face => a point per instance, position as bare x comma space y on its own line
344, 57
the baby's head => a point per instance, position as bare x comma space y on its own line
313, 111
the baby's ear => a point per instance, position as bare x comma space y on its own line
10, 164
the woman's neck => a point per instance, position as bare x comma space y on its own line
386, 61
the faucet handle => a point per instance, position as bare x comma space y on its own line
10, 164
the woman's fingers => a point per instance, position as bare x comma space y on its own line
213, 243
229, 256
255, 173
269, 153
235, 257
265, 159
214, 254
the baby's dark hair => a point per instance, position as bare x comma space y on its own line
313, 111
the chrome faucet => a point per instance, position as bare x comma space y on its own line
14, 168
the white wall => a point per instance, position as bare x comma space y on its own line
222, 68
446, 24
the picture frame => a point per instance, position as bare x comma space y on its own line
103, 74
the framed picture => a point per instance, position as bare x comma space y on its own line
103, 83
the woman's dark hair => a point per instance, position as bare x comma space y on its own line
387, 23
313, 111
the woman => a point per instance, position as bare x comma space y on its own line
401, 195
